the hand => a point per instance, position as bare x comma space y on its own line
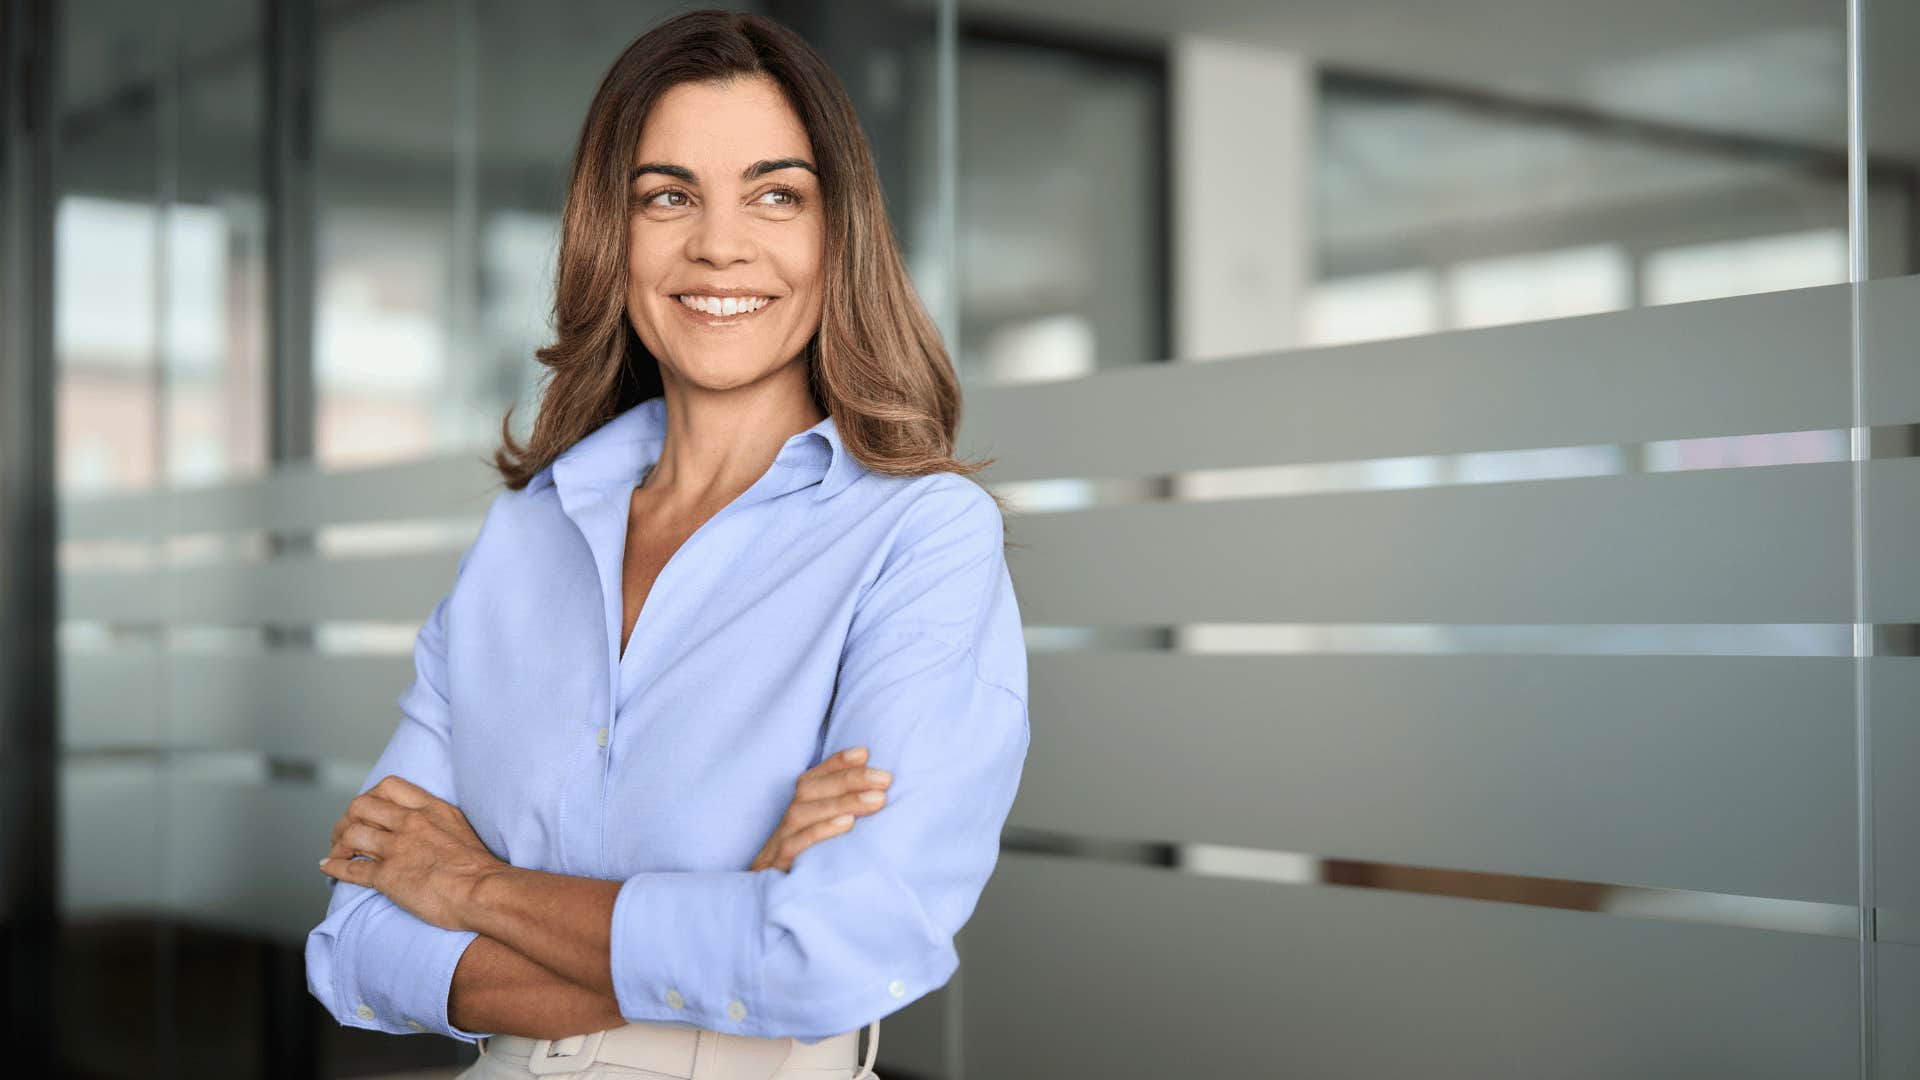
424, 855
825, 800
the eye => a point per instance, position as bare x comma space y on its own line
793, 196
649, 200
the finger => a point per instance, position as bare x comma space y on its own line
805, 815
853, 802
365, 838
357, 871
797, 842
840, 782
375, 810
840, 793
342, 849
346, 819
405, 792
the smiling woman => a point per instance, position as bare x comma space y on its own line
724, 264
711, 744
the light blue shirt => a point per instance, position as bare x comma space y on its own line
828, 606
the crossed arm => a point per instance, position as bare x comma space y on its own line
540, 964
498, 989
425, 857
450, 939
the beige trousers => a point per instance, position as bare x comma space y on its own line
683, 1052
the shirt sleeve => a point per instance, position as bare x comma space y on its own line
933, 682
371, 962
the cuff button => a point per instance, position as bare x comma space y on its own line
736, 1010
897, 988
674, 999
416, 1025
364, 1012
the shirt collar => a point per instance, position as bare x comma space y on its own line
620, 451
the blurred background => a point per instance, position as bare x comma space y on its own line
1464, 460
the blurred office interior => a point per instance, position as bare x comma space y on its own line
1464, 469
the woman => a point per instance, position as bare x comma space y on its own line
712, 740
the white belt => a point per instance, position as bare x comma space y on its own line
691, 1053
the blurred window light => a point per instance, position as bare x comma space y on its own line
197, 290
374, 335
1040, 349
518, 251
1369, 307
1583, 280
1755, 264
104, 293
366, 345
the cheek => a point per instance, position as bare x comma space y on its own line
800, 264
643, 257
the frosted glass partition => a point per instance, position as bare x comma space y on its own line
1495, 690
262, 744
1482, 702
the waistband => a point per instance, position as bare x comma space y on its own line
687, 1052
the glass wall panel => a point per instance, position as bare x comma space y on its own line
1061, 205
110, 227
1529, 337
1889, 405
1349, 172
392, 372
159, 323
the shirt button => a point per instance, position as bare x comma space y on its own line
736, 1010
364, 1012
416, 1025
602, 737
674, 999
897, 988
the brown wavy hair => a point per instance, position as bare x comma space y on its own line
876, 364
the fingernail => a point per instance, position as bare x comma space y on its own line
872, 796
323, 864
843, 819
854, 754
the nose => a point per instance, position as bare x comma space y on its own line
719, 238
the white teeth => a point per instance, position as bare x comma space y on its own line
732, 305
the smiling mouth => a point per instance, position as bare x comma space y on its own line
713, 310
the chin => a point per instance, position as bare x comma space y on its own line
719, 374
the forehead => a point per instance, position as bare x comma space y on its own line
728, 125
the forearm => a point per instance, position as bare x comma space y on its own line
561, 922
499, 990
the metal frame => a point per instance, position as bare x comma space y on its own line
29, 600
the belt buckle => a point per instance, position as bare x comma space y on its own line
543, 1062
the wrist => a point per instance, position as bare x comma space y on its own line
482, 896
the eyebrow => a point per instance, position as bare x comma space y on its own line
751, 172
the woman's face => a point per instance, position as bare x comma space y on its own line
698, 225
